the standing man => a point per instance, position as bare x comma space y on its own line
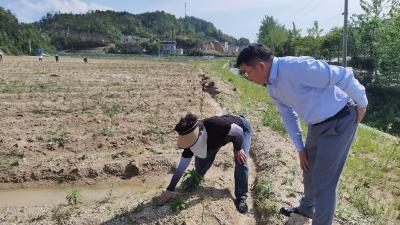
1, 57
330, 100
203, 139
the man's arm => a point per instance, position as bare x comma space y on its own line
182, 166
292, 123
236, 132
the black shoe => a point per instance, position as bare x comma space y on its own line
289, 210
241, 205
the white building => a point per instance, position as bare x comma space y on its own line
169, 48
129, 39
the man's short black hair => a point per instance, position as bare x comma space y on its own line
252, 53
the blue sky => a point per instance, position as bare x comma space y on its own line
238, 18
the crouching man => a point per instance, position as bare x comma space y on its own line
203, 139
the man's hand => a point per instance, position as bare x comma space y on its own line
240, 156
168, 195
360, 113
303, 160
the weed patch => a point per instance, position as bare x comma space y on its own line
178, 205
191, 181
74, 196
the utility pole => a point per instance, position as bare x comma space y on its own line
346, 12
185, 9
30, 47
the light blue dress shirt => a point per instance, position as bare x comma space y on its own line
312, 89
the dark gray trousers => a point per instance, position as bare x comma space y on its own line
327, 147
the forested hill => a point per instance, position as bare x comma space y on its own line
16, 38
66, 31
100, 28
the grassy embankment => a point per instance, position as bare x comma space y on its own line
369, 190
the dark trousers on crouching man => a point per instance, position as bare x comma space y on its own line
241, 170
327, 147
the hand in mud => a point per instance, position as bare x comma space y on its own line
167, 195
240, 156
303, 160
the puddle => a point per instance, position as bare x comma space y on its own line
28, 197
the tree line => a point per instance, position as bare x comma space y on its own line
66, 31
16, 38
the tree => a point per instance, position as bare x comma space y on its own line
315, 31
331, 46
366, 33
243, 41
290, 46
388, 58
273, 35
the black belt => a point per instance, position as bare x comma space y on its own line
342, 113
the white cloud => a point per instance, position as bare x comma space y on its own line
74, 6
30, 10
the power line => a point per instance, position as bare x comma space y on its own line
312, 8
303, 8
346, 12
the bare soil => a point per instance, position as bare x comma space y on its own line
105, 123
106, 127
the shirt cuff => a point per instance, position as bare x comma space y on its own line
363, 102
299, 145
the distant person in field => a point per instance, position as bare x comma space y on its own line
1, 57
330, 100
203, 139
40, 58
56, 57
85, 60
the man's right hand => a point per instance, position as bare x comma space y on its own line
167, 195
303, 160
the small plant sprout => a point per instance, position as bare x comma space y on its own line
228, 164
178, 205
139, 207
74, 196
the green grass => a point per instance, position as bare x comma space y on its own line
61, 214
10, 159
108, 131
120, 154
140, 207
58, 139
228, 163
156, 201
156, 133
9, 162
111, 111
264, 198
372, 171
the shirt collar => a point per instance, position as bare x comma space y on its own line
274, 71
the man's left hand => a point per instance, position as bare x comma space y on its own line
360, 113
240, 156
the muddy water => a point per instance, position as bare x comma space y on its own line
28, 197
